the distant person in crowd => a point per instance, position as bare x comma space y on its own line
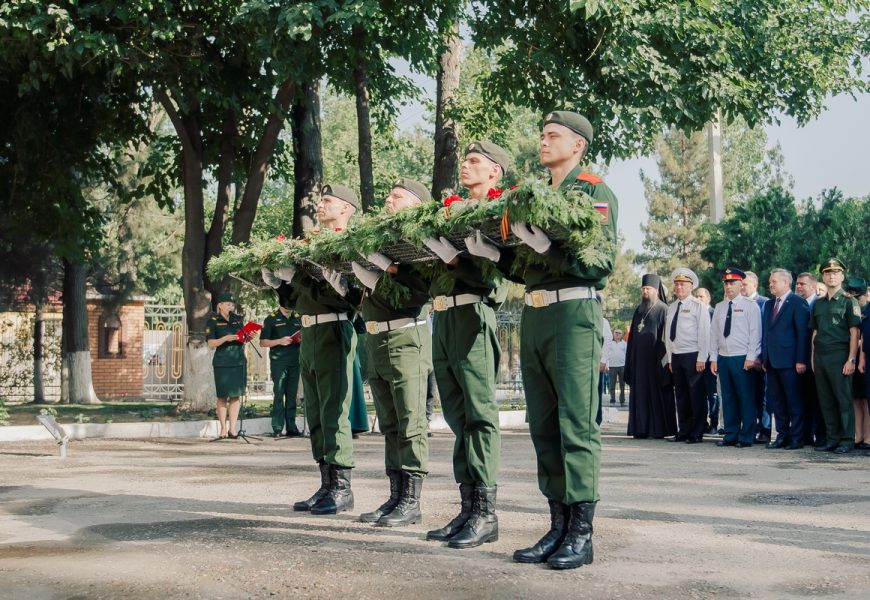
762, 414
814, 425
857, 288
821, 290
651, 411
616, 366
835, 321
687, 341
710, 382
229, 362
785, 329
607, 334
735, 344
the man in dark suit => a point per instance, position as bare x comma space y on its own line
814, 425
784, 331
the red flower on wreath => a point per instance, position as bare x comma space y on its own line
281, 237
451, 199
494, 193
338, 230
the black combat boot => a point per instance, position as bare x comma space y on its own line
576, 548
391, 503
407, 511
305, 505
482, 526
339, 498
466, 493
551, 541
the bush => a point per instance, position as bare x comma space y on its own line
4, 414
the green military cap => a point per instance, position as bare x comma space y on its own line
573, 121
492, 151
832, 264
856, 286
415, 187
225, 297
342, 193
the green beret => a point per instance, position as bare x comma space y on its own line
573, 121
225, 297
856, 286
832, 264
415, 187
492, 151
342, 193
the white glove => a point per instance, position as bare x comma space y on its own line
286, 273
270, 279
533, 237
381, 261
337, 281
366, 277
477, 246
442, 248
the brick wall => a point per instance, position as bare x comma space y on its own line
118, 377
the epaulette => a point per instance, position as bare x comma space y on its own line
213, 318
589, 178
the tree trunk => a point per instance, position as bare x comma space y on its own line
80, 386
445, 167
308, 158
364, 127
38, 328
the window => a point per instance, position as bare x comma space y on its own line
111, 336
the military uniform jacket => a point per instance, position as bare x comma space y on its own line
564, 269
468, 278
693, 329
277, 326
228, 354
316, 297
377, 306
832, 318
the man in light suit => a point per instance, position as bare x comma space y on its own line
784, 331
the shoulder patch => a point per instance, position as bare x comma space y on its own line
589, 178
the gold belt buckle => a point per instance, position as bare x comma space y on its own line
539, 299
308, 321
439, 303
372, 327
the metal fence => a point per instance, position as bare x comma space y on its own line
16, 356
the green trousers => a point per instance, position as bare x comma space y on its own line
560, 350
326, 361
398, 366
466, 355
285, 384
835, 395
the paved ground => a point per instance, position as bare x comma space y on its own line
190, 519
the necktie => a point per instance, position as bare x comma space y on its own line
727, 330
775, 309
674, 322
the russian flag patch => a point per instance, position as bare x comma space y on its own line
603, 209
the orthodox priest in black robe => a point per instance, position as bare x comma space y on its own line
651, 409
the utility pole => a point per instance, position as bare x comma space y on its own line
717, 193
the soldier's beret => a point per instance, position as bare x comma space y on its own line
226, 297
573, 121
733, 274
342, 193
415, 187
832, 264
856, 286
684, 274
492, 151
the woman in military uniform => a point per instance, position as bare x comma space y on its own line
230, 366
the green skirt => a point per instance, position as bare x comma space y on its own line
230, 382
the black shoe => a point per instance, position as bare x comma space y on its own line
842, 450
695, 440
576, 549
862, 446
387, 507
825, 448
678, 438
407, 511
720, 431
482, 527
305, 505
762, 438
712, 430
466, 494
275, 434
232, 436
551, 541
743, 445
775, 445
794, 446
339, 498
294, 433
723, 443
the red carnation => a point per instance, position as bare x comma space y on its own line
494, 193
451, 199
281, 237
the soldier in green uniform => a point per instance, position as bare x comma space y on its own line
560, 351
326, 361
230, 365
466, 356
835, 321
280, 334
399, 360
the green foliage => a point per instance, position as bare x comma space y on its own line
4, 414
82, 418
50, 411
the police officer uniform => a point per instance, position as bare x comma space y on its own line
284, 367
466, 355
399, 349
834, 318
229, 362
560, 353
